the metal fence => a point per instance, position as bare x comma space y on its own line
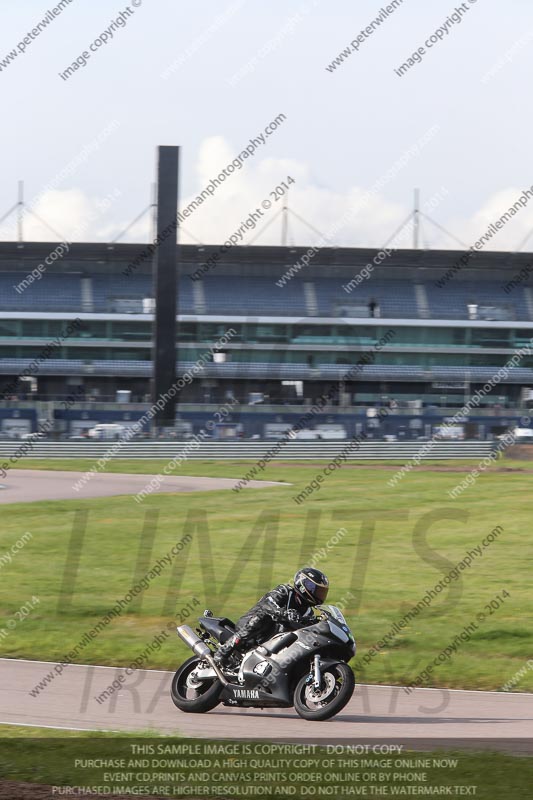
248, 450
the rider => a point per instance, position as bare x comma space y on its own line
286, 605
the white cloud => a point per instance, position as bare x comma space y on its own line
243, 192
72, 214
79, 217
507, 238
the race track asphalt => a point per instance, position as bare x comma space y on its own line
424, 719
31, 485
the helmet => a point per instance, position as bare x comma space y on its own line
312, 585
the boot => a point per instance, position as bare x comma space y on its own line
226, 651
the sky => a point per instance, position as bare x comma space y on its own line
210, 76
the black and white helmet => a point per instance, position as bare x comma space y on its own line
312, 585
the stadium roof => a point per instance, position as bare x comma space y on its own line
260, 260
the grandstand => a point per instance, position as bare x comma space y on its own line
294, 340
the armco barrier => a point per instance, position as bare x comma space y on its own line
401, 451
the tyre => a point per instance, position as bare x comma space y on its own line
338, 683
191, 697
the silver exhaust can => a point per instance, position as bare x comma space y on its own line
186, 633
199, 648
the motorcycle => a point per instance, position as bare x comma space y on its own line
305, 668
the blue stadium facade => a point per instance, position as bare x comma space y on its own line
363, 328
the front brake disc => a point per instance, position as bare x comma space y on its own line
319, 695
192, 681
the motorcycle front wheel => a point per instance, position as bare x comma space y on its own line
338, 684
194, 697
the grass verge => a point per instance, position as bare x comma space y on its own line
170, 767
399, 542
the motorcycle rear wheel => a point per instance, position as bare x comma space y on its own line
309, 704
197, 700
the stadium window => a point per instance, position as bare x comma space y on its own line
361, 334
490, 337
84, 353
311, 333
138, 331
123, 355
521, 338
298, 386
458, 335
186, 332
57, 327
8, 328
211, 331
93, 330
33, 328
28, 385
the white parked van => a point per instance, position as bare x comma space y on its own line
105, 432
331, 431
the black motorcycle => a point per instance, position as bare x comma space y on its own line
306, 668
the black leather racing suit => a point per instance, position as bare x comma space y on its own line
280, 606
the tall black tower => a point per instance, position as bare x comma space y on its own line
165, 286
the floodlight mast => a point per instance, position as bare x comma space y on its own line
165, 351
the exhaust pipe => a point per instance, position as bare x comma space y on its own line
199, 648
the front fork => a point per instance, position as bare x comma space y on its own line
315, 675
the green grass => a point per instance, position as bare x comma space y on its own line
44, 757
8, 732
227, 467
399, 543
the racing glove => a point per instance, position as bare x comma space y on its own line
291, 616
